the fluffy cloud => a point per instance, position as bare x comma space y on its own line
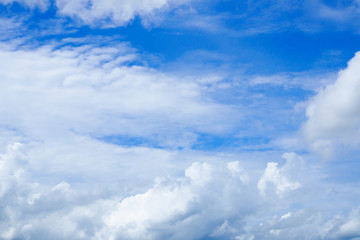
12, 174
210, 199
188, 208
333, 115
279, 178
219, 200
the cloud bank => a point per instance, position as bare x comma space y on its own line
215, 200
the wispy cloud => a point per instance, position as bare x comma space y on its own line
32, 4
70, 84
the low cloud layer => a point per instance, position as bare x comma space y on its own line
216, 200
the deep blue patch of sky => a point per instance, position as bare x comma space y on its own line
206, 142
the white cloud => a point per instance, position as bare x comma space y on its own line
215, 198
333, 115
57, 100
118, 12
61, 182
98, 92
279, 178
187, 208
11, 173
104, 13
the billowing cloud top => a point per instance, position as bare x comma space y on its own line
334, 114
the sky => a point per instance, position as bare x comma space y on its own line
179, 119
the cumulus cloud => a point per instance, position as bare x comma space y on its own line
333, 114
204, 198
217, 199
279, 178
209, 199
11, 171
189, 206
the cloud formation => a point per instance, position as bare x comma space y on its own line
333, 114
95, 144
99, 91
187, 208
211, 199
277, 177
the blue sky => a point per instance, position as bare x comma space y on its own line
179, 119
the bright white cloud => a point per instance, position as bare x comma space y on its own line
97, 92
61, 210
210, 199
279, 178
188, 208
192, 206
333, 115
